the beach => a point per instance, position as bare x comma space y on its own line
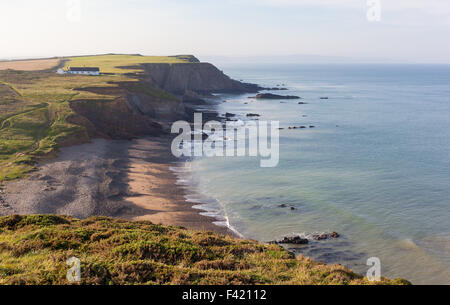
128, 179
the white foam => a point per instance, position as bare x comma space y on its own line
206, 206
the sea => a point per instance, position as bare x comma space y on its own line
375, 169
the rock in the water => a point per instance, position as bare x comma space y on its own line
229, 115
271, 96
324, 236
253, 115
324, 97
296, 240
334, 235
283, 205
321, 236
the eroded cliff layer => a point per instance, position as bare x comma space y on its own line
201, 78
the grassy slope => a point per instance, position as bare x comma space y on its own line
34, 106
109, 63
34, 250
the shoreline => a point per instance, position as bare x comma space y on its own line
128, 179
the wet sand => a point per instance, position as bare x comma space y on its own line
118, 178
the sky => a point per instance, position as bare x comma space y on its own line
406, 30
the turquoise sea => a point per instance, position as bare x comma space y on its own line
376, 168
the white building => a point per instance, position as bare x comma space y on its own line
81, 70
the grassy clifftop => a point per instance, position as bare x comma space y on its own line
35, 112
34, 250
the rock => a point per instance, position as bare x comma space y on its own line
302, 127
321, 236
204, 136
281, 128
271, 96
312, 126
253, 115
296, 240
229, 115
283, 205
275, 89
334, 235
302, 103
292, 208
324, 97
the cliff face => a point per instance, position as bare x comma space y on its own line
158, 109
113, 119
201, 78
149, 106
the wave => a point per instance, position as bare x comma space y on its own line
207, 206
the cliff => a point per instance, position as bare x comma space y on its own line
200, 78
134, 96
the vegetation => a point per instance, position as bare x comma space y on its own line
34, 250
35, 113
122, 64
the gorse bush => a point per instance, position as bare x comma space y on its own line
34, 250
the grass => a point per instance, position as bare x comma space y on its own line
30, 65
34, 249
35, 107
111, 63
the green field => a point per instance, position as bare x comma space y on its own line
34, 250
34, 105
112, 63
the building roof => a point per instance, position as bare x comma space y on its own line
84, 69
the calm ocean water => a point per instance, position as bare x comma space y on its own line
376, 168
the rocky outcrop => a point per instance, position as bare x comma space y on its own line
295, 240
158, 109
270, 96
113, 119
201, 78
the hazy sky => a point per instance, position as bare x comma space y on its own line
417, 30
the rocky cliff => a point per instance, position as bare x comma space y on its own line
157, 99
197, 78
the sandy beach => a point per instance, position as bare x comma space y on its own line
118, 178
